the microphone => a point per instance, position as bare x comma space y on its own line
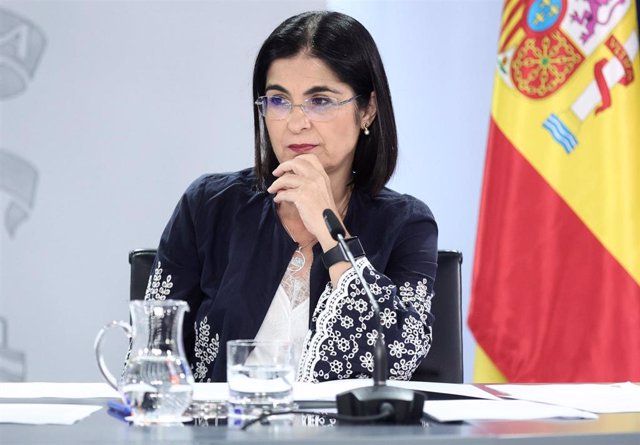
401, 405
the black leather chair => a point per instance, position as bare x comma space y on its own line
141, 261
444, 361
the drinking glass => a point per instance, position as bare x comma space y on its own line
260, 375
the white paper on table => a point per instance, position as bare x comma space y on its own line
460, 410
327, 391
597, 398
211, 392
36, 390
42, 414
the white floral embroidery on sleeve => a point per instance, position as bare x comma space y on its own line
156, 288
409, 295
343, 331
206, 350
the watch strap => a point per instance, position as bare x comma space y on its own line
336, 255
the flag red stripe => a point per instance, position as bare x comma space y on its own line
550, 303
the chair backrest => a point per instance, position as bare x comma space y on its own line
444, 361
141, 261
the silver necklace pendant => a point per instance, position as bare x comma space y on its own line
297, 260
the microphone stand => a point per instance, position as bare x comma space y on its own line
402, 405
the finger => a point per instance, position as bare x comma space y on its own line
285, 195
300, 165
290, 166
287, 181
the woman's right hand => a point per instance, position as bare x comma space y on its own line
303, 182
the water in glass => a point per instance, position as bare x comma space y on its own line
260, 376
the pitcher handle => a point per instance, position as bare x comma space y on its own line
126, 327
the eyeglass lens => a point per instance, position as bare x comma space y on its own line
316, 108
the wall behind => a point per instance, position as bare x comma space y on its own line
110, 109
129, 102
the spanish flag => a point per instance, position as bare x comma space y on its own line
556, 275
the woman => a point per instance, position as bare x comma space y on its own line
246, 249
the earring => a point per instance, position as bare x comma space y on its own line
365, 129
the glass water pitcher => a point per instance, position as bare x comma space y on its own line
156, 382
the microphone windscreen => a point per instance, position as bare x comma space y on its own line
333, 224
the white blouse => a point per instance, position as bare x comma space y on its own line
284, 322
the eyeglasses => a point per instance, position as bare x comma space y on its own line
318, 108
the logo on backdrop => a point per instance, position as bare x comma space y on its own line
13, 364
550, 40
21, 47
19, 179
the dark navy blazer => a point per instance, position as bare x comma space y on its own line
225, 251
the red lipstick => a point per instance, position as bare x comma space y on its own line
301, 148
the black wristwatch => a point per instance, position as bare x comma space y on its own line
336, 255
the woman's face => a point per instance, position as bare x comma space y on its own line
333, 142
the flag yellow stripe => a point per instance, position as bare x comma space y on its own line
484, 371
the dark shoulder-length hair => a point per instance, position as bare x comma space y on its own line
349, 50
